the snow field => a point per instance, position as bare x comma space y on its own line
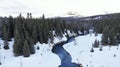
108, 57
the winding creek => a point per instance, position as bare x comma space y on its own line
66, 59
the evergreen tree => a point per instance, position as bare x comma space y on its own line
58, 29
11, 27
96, 44
18, 36
112, 36
92, 50
105, 35
26, 49
34, 35
6, 45
51, 36
18, 44
30, 42
100, 48
31, 46
5, 36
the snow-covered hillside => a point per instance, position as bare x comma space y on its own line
108, 57
42, 58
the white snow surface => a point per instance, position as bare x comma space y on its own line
79, 50
42, 58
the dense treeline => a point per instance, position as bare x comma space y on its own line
110, 28
28, 31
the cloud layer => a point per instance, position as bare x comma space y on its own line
58, 7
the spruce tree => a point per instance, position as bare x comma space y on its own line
11, 26
34, 35
31, 46
92, 50
112, 36
96, 43
18, 44
5, 36
18, 36
26, 49
105, 35
51, 36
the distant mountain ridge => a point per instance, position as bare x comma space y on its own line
89, 17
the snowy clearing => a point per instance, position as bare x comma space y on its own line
108, 57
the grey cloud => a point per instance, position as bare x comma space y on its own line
13, 7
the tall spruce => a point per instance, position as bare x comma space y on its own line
105, 35
26, 49
11, 26
18, 44
18, 36
5, 36
34, 34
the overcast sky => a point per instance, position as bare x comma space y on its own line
53, 8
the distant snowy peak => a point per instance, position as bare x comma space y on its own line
75, 14
68, 18
92, 18
79, 18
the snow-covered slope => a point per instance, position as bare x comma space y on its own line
42, 58
109, 57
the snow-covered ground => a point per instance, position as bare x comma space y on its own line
80, 52
109, 57
42, 58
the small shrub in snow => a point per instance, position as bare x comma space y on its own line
92, 50
38, 47
80, 65
6, 45
96, 44
0, 63
117, 48
41, 54
75, 43
100, 48
114, 55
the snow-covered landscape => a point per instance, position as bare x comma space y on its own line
108, 57
59, 33
79, 49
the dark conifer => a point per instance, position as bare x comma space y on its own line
26, 49
5, 36
105, 35
96, 43
34, 35
92, 50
